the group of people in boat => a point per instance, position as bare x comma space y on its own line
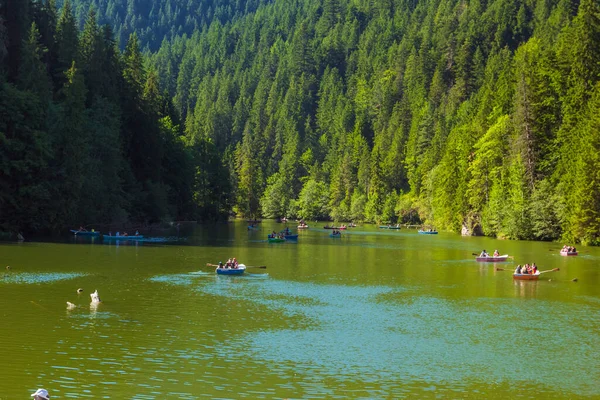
280, 235
230, 264
568, 249
526, 269
485, 254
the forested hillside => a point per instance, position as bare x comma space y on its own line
476, 114
156, 20
87, 136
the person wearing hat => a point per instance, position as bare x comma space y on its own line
41, 394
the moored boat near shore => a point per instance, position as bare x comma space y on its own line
85, 233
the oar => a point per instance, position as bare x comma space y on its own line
247, 266
550, 270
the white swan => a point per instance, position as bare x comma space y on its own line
70, 306
95, 298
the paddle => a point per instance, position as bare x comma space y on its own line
247, 266
550, 270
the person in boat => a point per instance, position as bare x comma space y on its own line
137, 233
234, 263
574, 250
518, 270
82, 229
484, 254
496, 254
534, 269
125, 234
221, 264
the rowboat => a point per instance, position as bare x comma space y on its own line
527, 277
568, 253
231, 271
85, 233
492, 259
389, 227
334, 227
121, 237
428, 232
302, 226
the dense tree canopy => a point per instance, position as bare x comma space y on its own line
86, 135
480, 114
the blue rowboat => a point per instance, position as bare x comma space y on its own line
428, 232
85, 233
121, 237
231, 271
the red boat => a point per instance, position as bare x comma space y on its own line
492, 259
527, 277
568, 253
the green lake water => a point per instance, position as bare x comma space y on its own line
376, 314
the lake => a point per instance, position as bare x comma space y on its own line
374, 314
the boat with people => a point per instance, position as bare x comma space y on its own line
335, 234
505, 257
495, 257
429, 232
85, 232
275, 239
397, 226
335, 227
239, 270
568, 251
527, 277
302, 226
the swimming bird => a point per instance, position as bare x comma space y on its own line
70, 306
80, 290
574, 280
8, 267
95, 298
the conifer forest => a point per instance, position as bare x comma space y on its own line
468, 115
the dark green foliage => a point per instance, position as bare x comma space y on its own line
86, 134
451, 112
